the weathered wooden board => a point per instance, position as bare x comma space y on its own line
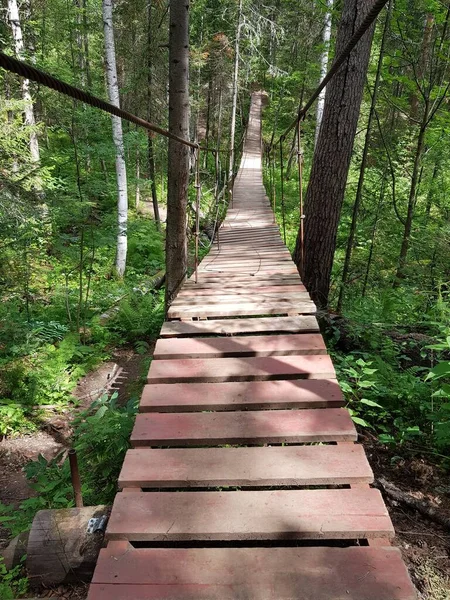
355, 573
252, 427
245, 309
220, 298
195, 291
261, 515
241, 369
220, 347
250, 395
266, 466
298, 324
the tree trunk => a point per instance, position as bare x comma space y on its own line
332, 156
121, 171
412, 197
323, 67
86, 45
372, 238
431, 191
422, 66
362, 171
79, 41
235, 94
16, 27
178, 154
150, 152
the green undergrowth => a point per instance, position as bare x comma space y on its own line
13, 582
398, 387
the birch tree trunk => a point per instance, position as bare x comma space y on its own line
178, 154
323, 66
235, 94
14, 20
121, 171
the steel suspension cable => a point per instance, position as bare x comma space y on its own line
198, 192
274, 189
300, 194
283, 215
27, 71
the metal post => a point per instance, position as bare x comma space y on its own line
75, 477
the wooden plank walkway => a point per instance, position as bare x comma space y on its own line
245, 481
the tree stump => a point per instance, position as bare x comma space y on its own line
60, 550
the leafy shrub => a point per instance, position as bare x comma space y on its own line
139, 316
12, 583
145, 247
50, 332
439, 406
13, 418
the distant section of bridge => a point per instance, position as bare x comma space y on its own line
245, 481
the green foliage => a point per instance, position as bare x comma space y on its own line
145, 248
14, 418
405, 405
439, 406
13, 583
140, 315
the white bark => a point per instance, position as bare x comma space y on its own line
323, 66
14, 19
121, 171
235, 93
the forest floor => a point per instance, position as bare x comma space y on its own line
425, 545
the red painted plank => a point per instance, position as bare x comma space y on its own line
241, 369
244, 309
279, 345
268, 466
246, 297
355, 573
252, 427
297, 324
250, 395
261, 515
211, 290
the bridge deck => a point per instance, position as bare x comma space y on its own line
244, 481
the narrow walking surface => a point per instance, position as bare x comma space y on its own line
245, 481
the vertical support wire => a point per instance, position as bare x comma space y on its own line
283, 214
274, 187
197, 209
300, 194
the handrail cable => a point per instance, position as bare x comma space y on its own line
23, 69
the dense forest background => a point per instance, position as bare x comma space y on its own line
71, 291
